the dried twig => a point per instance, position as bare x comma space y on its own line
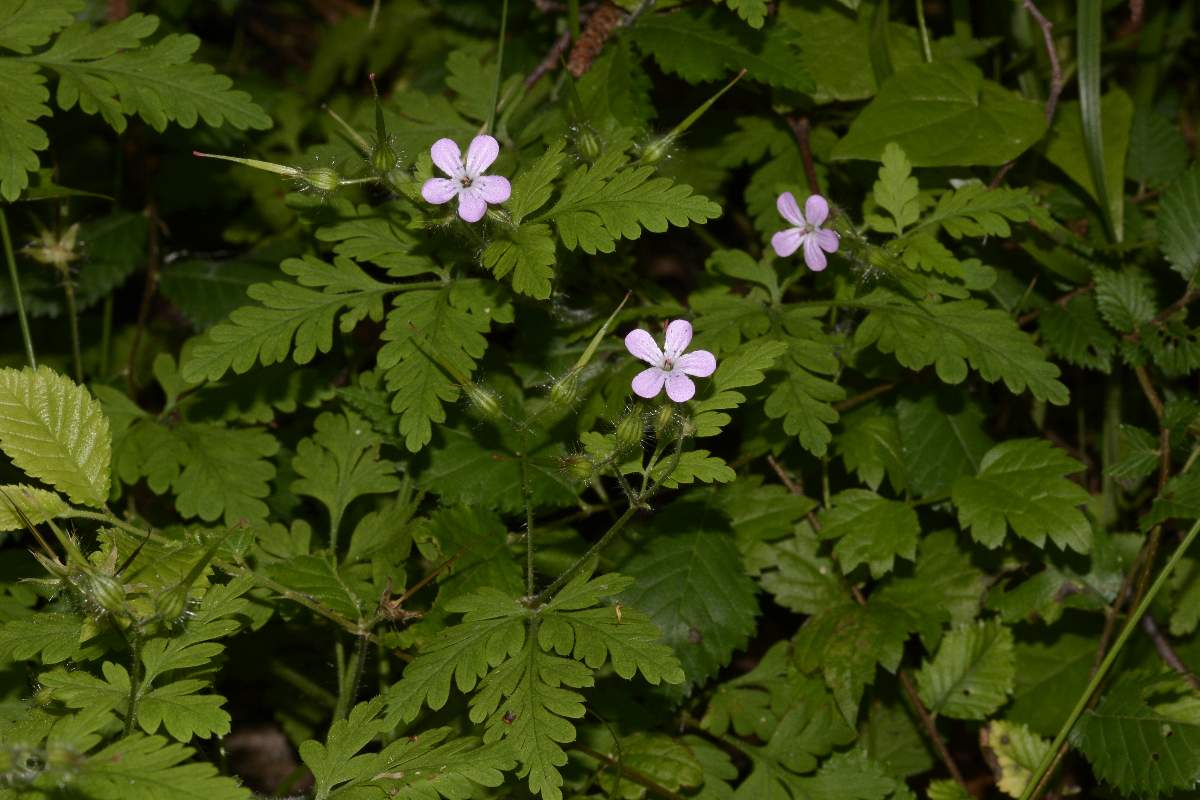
800, 127
553, 57
1166, 652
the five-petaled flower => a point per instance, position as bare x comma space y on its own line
808, 231
670, 366
474, 190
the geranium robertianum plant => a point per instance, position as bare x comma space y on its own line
573, 400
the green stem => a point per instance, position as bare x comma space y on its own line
925, 49
491, 120
73, 320
135, 678
573, 18
106, 334
561, 581
1032, 789
16, 284
303, 683
528, 498
351, 679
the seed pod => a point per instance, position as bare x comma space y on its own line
321, 179
663, 420
629, 430
170, 605
579, 467
656, 150
587, 142
565, 390
384, 157
484, 402
105, 593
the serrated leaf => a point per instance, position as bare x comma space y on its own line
1137, 454
492, 630
338, 760
524, 702
845, 643
694, 588
339, 463
738, 370
802, 579
602, 202
941, 438
1144, 735
1075, 333
56, 432
37, 506
464, 469
752, 11
160, 83
182, 711
316, 577
944, 114
896, 192
943, 587
869, 444
1022, 485
433, 764
152, 768
1179, 499
1018, 753
891, 738
26, 24
1179, 223
694, 465
224, 472
803, 398
533, 186
870, 530
972, 673
303, 312
25, 97
665, 760
528, 253
1157, 150
428, 331
1125, 298
952, 334
701, 45
52, 636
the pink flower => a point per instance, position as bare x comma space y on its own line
474, 190
808, 230
670, 365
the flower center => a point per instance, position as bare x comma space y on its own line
465, 180
668, 364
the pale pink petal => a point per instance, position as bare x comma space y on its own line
813, 255
471, 206
789, 209
700, 363
827, 240
447, 157
481, 153
649, 382
680, 387
679, 336
816, 210
493, 188
439, 190
642, 345
787, 242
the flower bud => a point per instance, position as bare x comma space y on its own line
321, 179
629, 431
104, 592
579, 467
484, 402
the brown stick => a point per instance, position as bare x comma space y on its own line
553, 57
1166, 652
859, 399
629, 772
800, 127
1056, 77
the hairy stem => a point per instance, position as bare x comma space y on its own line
16, 284
527, 496
73, 320
546, 594
1034, 787
135, 677
926, 50
351, 679
491, 120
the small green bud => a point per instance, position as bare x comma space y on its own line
579, 467
105, 593
588, 143
384, 157
656, 150
42, 697
322, 179
686, 427
629, 430
664, 419
484, 402
170, 605
565, 390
